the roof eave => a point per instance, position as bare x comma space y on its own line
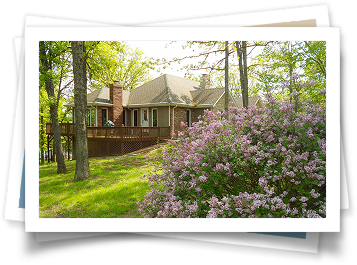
164, 104
222, 96
92, 104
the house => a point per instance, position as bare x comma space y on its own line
163, 102
144, 115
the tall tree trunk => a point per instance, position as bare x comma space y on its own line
80, 105
46, 62
226, 71
245, 76
42, 140
290, 65
242, 54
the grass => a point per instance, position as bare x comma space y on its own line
113, 190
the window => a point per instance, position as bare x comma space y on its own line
91, 117
88, 117
135, 117
188, 117
154, 118
104, 116
124, 117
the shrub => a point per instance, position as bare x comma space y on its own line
267, 162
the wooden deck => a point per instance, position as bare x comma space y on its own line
121, 134
109, 141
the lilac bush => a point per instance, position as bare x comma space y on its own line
251, 163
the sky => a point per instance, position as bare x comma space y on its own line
169, 50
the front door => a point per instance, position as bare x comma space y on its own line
145, 117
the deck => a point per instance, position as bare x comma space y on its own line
121, 134
109, 141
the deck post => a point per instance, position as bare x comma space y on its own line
141, 137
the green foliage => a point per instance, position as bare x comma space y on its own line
110, 61
106, 61
280, 60
270, 63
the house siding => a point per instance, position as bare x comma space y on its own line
163, 116
179, 116
128, 117
197, 112
99, 115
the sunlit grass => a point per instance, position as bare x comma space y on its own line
112, 191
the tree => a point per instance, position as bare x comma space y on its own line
226, 71
242, 58
61, 76
48, 52
108, 61
280, 61
80, 105
211, 55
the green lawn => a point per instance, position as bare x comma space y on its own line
115, 186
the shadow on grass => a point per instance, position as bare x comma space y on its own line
112, 202
112, 192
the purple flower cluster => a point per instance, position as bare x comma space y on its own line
257, 163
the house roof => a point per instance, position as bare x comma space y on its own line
172, 89
164, 89
251, 101
99, 97
206, 96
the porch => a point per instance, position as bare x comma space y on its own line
110, 141
122, 133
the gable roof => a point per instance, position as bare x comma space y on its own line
172, 89
251, 101
164, 89
206, 96
99, 97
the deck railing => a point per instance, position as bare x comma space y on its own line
129, 133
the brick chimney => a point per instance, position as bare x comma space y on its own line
204, 82
116, 96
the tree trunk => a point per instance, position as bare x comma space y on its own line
242, 54
42, 140
226, 70
47, 65
245, 76
80, 105
290, 65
